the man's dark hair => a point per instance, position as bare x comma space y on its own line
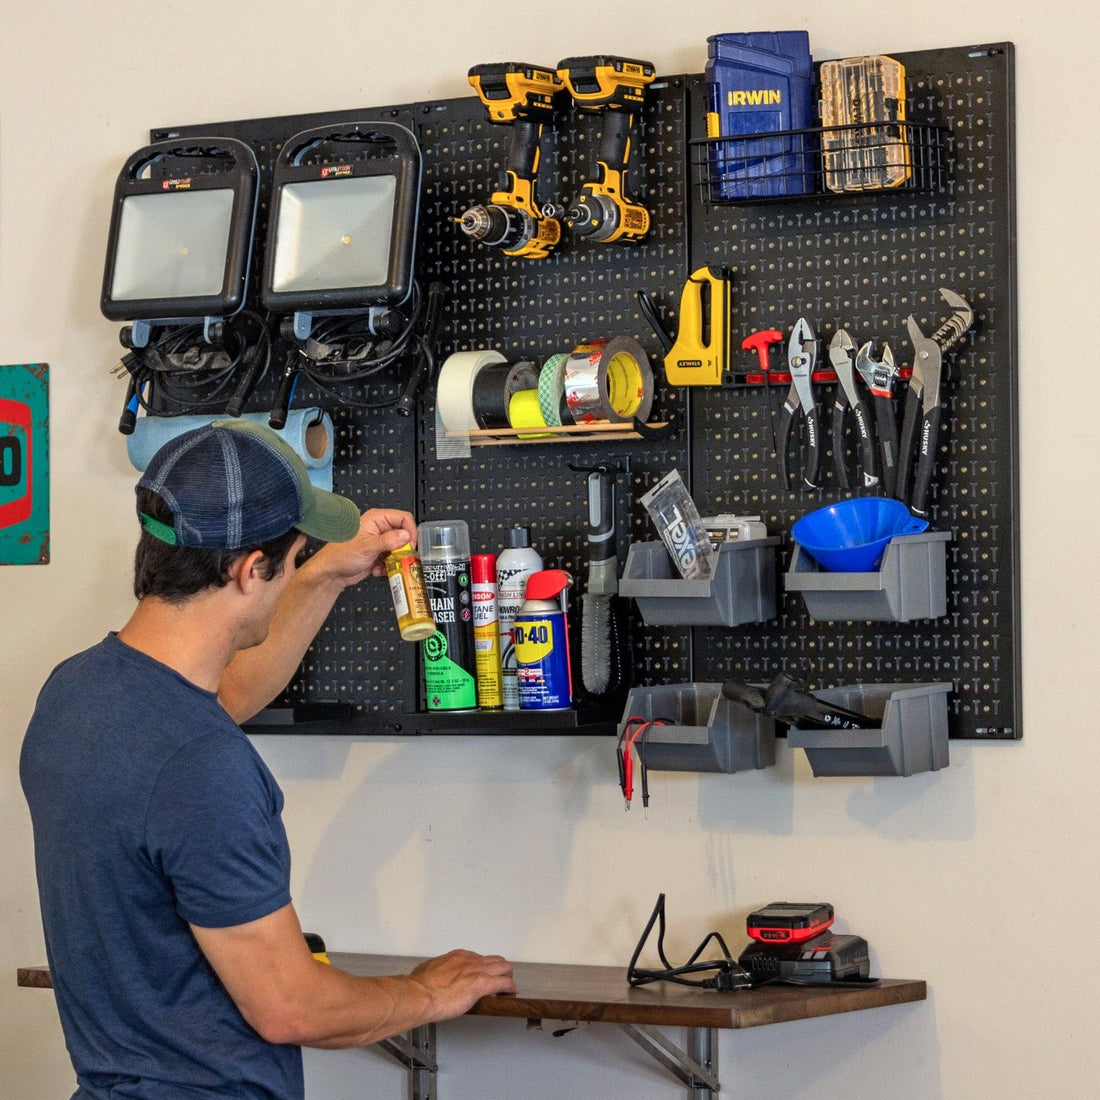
175, 573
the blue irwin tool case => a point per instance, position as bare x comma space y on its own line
760, 83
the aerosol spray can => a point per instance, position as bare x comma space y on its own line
483, 570
449, 655
542, 644
514, 565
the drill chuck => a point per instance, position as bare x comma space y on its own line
497, 225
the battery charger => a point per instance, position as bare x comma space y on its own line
823, 960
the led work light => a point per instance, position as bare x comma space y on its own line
181, 235
342, 226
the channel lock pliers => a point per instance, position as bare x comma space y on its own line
880, 375
842, 352
801, 356
922, 402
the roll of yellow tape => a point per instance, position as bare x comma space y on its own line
524, 411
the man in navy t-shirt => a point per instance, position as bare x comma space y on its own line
177, 960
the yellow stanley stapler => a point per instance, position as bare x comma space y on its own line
701, 353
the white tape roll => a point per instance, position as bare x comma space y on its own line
308, 431
454, 395
608, 380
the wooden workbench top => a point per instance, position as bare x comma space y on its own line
563, 991
600, 994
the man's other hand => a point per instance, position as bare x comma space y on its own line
457, 980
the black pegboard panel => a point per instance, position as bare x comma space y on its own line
863, 263
533, 309
523, 309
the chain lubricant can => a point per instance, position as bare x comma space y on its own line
483, 571
450, 666
542, 644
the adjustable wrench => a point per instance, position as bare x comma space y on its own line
880, 375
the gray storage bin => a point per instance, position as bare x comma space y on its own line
912, 737
740, 590
910, 583
708, 733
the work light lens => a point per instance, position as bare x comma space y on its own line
334, 234
172, 245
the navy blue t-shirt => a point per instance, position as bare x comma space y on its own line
152, 811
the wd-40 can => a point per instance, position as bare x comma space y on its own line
542, 644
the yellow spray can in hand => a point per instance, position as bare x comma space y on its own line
410, 596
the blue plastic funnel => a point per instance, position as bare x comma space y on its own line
851, 535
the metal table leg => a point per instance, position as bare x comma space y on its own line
416, 1052
697, 1067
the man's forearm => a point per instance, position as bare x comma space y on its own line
351, 1011
290, 997
256, 675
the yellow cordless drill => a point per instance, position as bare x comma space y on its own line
617, 86
522, 97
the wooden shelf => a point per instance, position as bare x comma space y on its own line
567, 433
600, 994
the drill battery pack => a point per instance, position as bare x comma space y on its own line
760, 83
822, 960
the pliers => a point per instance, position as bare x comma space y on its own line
801, 356
880, 375
922, 402
842, 351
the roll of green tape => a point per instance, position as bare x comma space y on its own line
551, 388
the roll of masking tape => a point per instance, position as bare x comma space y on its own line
308, 431
552, 388
493, 390
524, 412
608, 380
455, 389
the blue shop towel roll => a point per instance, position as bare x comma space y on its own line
308, 431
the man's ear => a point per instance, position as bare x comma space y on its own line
245, 571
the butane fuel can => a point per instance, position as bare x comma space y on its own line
542, 644
450, 662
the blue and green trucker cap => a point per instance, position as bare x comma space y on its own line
236, 483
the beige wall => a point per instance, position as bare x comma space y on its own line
522, 846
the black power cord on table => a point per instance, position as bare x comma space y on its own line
727, 971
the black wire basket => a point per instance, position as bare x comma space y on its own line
862, 159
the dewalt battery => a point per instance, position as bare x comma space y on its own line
760, 83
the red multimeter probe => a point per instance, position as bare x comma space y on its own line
789, 922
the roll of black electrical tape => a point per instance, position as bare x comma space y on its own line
494, 387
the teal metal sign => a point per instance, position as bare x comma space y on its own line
24, 465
